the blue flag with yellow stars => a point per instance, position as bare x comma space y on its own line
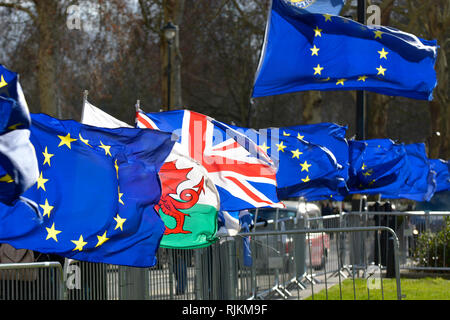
381, 166
442, 169
376, 166
95, 194
312, 160
420, 182
18, 163
310, 51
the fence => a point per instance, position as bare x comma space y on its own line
32, 281
218, 272
291, 257
423, 235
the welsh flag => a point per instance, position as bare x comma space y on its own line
189, 202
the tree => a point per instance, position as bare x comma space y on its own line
48, 16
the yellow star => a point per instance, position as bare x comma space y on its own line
317, 32
318, 69
106, 148
340, 81
119, 221
306, 179
47, 157
327, 17
101, 239
47, 208
378, 34
6, 178
381, 70
368, 173
51, 233
117, 168
383, 54
80, 243
120, 197
363, 167
3, 83
85, 141
296, 154
264, 146
15, 126
305, 166
362, 78
41, 182
299, 136
314, 51
286, 134
67, 140
281, 146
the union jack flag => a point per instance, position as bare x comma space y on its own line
243, 173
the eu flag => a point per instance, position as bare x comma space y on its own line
309, 51
376, 166
442, 169
420, 183
18, 163
312, 160
381, 166
95, 193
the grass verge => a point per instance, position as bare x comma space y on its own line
412, 289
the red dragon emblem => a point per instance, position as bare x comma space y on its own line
171, 177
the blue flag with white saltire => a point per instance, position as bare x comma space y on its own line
312, 159
18, 163
309, 51
442, 169
95, 193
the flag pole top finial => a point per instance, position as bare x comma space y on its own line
138, 105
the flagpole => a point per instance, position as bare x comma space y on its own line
138, 105
85, 96
360, 94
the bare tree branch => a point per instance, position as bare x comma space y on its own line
21, 8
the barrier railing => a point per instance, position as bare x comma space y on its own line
423, 235
32, 281
293, 255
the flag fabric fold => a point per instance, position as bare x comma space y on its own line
18, 163
381, 166
442, 169
95, 193
310, 51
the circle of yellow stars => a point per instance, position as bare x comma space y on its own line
315, 51
281, 147
53, 232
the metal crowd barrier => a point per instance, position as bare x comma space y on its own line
291, 258
420, 246
32, 281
